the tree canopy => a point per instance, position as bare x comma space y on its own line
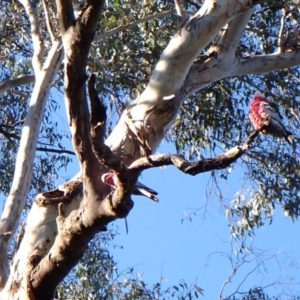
153, 70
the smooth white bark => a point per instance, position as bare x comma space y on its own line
24, 163
8, 84
176, 60
40, 230
164, 93
38, 46
226, 66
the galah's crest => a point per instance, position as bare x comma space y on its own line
140, 189
263, 109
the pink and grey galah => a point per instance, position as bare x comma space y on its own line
140, 189
262, 109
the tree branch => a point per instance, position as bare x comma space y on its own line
82, 208
281, 32
48, 21
220, 61
268, 63
231, 35
86, 202
98, 119
215, 66
65, 15
38, 47
9, 84
145, 122
166, 81
60, 151
77, 38
19, 93
103, 152
178, 8
90, 16
193, 168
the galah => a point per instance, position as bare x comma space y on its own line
263, 109
139, 189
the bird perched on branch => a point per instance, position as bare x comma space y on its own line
140, 189
264, 115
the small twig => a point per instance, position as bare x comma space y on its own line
13, 125
8, 135
60, 151
293, 75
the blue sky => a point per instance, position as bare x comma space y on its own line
159, 244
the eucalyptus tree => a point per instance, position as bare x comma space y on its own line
192, 64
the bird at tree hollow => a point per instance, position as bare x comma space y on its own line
264, 110
139, 189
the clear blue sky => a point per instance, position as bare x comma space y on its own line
160, 245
